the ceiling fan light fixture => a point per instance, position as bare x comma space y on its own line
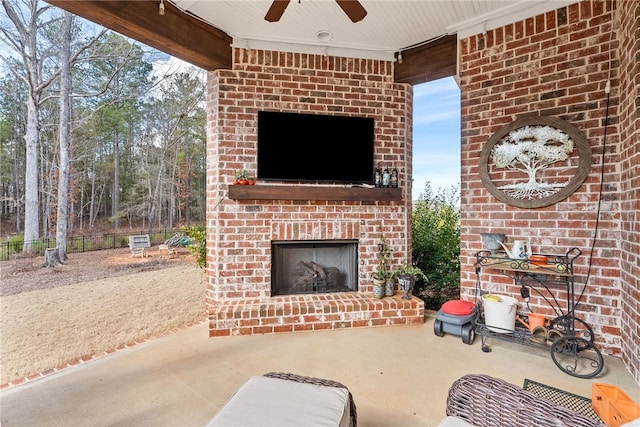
352, 8
324, 35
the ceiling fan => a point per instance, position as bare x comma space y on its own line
352, 8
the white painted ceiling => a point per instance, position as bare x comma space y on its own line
389, 27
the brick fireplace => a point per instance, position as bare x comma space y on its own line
243, 222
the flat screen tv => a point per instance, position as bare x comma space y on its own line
315, 148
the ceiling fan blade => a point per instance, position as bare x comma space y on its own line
276, 10
353, 9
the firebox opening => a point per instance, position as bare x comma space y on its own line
317, 266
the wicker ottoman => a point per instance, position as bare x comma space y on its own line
282, 399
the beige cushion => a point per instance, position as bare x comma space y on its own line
274, 402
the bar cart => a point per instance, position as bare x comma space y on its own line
569, 338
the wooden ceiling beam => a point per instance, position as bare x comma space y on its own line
176, 33
429, 62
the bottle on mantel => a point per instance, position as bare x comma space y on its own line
386, 177
377, 177
394, 178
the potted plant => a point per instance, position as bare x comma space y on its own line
382, 275
242, 178
406, 276
378, 284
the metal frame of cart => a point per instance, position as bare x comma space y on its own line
572, 348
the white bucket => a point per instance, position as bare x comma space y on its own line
500, 315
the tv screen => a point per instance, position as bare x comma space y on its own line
315, 148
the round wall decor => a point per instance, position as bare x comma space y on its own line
535, 161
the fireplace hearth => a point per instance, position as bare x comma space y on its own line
309, 267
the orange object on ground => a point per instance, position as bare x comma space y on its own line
613, 405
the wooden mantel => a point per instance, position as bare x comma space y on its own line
300, 192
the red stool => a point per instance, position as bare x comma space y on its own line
456, 317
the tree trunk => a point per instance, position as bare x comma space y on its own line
31, 205
45, 188
155, 199
52, 258
171, 215
81, 208
187, 185
65, 120
17, 194
92, 201
115, 201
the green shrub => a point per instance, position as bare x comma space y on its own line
435, 226
198, 235
12, 246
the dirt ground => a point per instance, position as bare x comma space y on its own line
26, 274
95, 303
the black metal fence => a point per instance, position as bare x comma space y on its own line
95, 242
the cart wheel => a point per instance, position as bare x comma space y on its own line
468, 333
580, 328
438, 328
577, 357
486, 348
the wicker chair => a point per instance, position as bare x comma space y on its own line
486, 401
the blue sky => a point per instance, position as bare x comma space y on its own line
436, 135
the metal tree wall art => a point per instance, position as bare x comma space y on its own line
531, 149
532, 162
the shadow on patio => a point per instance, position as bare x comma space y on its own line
399, 376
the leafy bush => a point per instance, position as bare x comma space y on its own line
199, 246
435, 226
12, 246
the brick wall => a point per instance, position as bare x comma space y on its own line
557, 64
239, 232
627, 21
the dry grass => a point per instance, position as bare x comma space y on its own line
48, 327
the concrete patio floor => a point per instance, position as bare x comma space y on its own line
399, 376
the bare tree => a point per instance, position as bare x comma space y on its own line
24, 42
